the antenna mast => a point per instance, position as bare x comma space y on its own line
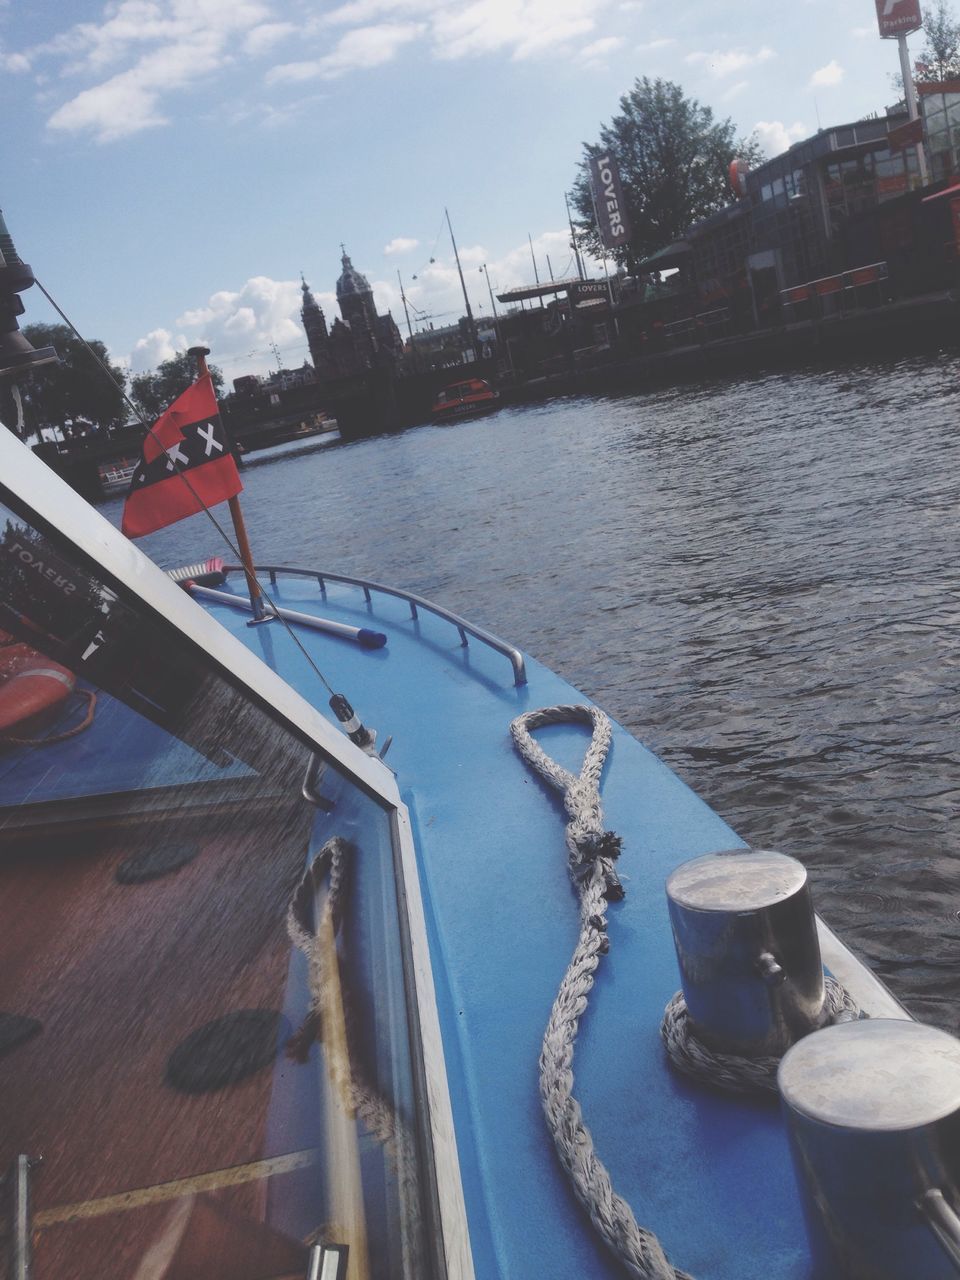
470, 321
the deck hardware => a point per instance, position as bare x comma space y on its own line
20, 1229
872, 1111
944, 1222
328, 1262
353, 726
770, 971
311, 784
415, 601
746, 939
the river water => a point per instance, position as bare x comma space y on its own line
758, 578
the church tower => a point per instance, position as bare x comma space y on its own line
315, 327
355, 298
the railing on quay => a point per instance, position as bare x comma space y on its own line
831, 294
415, 602
702, 327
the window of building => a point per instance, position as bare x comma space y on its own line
941, 116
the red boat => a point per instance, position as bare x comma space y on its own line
461, 398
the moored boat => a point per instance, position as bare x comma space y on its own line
115, 477
467, 398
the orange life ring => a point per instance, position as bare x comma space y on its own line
33, 689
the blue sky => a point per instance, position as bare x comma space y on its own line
171, 166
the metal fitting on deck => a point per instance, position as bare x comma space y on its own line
873, 1113
746, 940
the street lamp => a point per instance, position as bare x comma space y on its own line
485, 272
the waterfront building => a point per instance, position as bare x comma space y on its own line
801, 201
803, 216
359, 340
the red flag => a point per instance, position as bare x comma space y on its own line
186, 464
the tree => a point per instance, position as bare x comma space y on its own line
156, 390
77, 394
940, 57
673, 159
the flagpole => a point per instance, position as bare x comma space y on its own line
236, 515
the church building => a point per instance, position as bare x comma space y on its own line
359, 340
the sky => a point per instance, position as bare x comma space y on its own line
172, 166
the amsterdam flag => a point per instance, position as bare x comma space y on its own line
186, 464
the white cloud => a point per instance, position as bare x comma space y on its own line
167, 48
112, 110
524, 28
270, 115
157, 346
652, 45
861, 33
826, 77
400, 244
593, 54
724, 62
734, 91
239, 326
360, 49
519, 28
259, 39
774, 136
15, 63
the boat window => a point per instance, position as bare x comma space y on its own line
203, 1010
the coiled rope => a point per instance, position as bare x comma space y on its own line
591, 853
730, 1071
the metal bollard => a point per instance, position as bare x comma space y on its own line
746, 940
873, 1113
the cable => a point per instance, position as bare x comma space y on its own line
203, 506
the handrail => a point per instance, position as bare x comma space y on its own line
414, 601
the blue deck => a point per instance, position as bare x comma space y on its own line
708, 1173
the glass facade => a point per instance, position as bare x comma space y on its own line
862, 182
941, 115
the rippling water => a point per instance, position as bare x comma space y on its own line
758, 578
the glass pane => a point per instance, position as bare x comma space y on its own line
203, 1024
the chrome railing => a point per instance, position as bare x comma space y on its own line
415, 602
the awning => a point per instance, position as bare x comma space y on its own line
947, 191
674, 255
527, 291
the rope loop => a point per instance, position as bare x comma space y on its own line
591, 854
730, 1071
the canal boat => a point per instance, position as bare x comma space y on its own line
115, 477
288, 922
465, 399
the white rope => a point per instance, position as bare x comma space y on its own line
360, 1099
730, 1071
591, 854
